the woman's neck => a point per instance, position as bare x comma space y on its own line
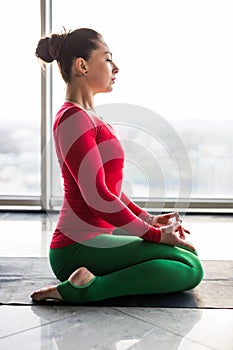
83, 100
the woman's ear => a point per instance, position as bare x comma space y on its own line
80, 66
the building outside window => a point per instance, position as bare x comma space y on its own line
20, 114
171, 104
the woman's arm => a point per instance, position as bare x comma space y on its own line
159, 221
143, 214
76, 136
156, 221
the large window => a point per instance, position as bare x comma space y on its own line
20, 99
171, 104
176, 85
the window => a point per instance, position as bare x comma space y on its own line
176, 70
20, 107
171, 104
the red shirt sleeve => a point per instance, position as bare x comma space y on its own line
83, 156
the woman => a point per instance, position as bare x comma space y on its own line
92, 263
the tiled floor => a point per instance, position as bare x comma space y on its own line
113, 328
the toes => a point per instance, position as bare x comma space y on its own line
37, 294
46, 293
34, 294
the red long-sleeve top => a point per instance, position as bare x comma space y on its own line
91, 159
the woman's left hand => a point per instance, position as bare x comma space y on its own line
174, 235
165, 219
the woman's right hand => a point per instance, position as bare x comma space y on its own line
174, 235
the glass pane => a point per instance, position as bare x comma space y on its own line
175, 60
20, 108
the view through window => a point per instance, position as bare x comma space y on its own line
20, 108
175, 59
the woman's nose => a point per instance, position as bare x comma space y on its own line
115, 69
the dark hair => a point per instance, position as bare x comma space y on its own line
65, 47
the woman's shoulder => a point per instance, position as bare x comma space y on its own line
75, 115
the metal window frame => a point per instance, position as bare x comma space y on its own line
156, 205
46, 202
46, 112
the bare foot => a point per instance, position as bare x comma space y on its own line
80, 277
49, 292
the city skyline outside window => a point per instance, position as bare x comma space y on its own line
20, 109
176, 61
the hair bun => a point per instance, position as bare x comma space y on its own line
49, 48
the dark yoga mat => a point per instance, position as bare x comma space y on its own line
20, 276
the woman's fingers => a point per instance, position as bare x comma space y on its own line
183, 231
187, 244
174, 235
171, 228
166, 219
175, 215
186, 231
171, 222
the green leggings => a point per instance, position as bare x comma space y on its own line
124, 265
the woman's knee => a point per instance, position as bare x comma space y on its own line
198, 274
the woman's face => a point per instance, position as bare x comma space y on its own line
101, 69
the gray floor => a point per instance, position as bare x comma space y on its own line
118, 328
